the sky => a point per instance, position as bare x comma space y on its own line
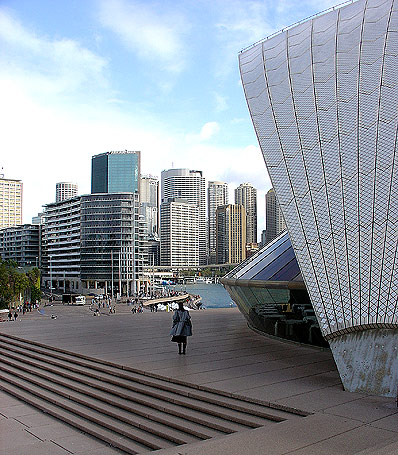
83, 77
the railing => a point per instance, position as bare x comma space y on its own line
332, 8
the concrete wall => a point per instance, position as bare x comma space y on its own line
368, 361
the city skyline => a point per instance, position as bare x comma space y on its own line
79, 88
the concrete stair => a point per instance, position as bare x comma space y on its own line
129, 409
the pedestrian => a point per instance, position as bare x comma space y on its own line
9, 316
15, 316
182, 328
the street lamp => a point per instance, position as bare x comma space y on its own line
51, 277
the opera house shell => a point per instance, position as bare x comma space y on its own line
323, 97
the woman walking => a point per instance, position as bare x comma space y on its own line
182, 327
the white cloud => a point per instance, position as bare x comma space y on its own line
150, 34
221, 102
208, 130
57, 110
47, 66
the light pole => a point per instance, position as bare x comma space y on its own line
112, 273
51, 277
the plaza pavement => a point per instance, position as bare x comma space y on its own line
223, 354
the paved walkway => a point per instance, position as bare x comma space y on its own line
223, 354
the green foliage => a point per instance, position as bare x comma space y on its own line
14, 282
33, 276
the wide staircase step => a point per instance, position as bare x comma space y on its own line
132, 410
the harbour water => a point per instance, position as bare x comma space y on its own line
213, 295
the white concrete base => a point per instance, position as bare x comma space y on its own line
368, 361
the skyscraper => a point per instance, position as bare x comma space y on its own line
246, 195
149, 204
217, 195
65, 190
10, 202
188, 185
274, 220
93, 243
179, 233
116, 172
231, 234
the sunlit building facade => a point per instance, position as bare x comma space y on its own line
93, 244
246, 195
149, 204
231, 234
10, 202
217, 196
65, 190
323, 97
179, 233
188, 185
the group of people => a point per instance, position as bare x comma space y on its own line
106, 303
10, 315
23, 308
158, 294
137, 309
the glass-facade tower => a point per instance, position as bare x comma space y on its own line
116, 172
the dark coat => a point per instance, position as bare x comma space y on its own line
182, 325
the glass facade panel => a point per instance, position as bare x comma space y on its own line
276, 265
99, 174
122, 173
248, 268
115, 172
289, 272
279, 309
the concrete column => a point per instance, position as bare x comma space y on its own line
367, 361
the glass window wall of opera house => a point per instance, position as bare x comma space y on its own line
270, 292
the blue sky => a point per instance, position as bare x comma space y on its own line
78, 78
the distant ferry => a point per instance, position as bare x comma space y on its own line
202, 279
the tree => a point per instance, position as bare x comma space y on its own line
13, 282
34, 283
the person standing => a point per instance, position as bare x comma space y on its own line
182, 328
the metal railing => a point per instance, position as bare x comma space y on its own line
301, 21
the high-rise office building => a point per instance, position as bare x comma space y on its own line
61, 245
231, 234
111, 242
274, 220
246, 195
93, 243
10, 202
116, 172
21, 244
65, 190
217, 195
149, 204
190, 186
179, 233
